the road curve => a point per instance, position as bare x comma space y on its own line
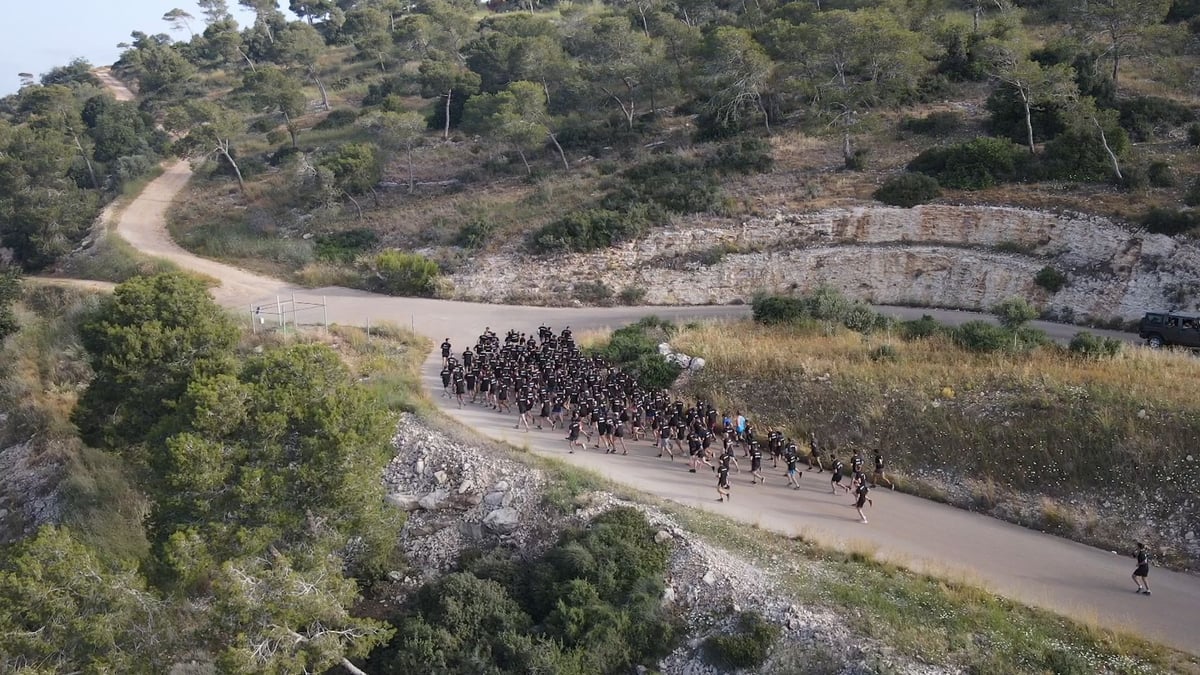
1076, 580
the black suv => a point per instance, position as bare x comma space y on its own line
1161, 329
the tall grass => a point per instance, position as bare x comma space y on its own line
113, 259
235, 240
1045, 423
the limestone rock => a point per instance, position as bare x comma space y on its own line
503, 520
662, 537
434, 500
403, 501
441, 477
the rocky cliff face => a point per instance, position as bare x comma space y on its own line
966, 257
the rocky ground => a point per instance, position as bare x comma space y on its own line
966, 257
462, 492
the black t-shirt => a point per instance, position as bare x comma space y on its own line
445, 349
838, 466
878, 463
1143, 558
791, 460
755, 451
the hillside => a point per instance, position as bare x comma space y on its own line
677, 154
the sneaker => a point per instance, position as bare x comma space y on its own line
691, 471
1138, 590
1147, 592
863, 521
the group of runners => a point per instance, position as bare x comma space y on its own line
551, 384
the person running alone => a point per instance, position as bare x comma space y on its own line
880, 476
1142, 570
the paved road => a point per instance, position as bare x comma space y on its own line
1076, 580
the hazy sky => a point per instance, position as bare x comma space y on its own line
36, 35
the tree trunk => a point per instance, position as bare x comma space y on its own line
847, 151
87, 160
320, 85
292, 130
1112, 156
351, 668
446, 131
223, 148
1116, 63
561, 154
528, 171
248, 61
1028, 122
354, 202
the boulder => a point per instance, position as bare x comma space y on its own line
664, 349
419, 467
710, 578
662, 537
501, 486
495, 499
441, 477
403, 501
434, 500
696, 364
465, 487
502, 521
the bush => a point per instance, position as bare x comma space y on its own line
1134, 178
747, 156
1050, 279
1192, 196
777, 309
399, 273
344, 246
941, 123
1161, 175
1193, 134
475, 234
908, 190
1087, 345
974, 165
337, 118
981, 336
918, 329
1145, 116
589, 230
632, 295
673, 183
857, 161
748, 647
1078, 155
1006, 117
1014, 312
884, 353
1168, 221
594, 292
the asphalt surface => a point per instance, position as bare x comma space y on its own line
1042, 570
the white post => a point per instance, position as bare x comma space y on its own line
325, 314
279, 313
253, 328
295, 319
368, 330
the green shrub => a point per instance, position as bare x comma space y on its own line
981, 336
1078, 155
974, 165
908, 190
857, 161
1192, 196
746, 156
344, 246
1169, 221
671, 182
1087, 345
1014, 312
917, 329
1006, 117
748, 647
632, 295
884, 353
398, 273
589, 230
1160, 174
1193, 134
777, 309
475, 234
337, 118
1050, 279
1134, 178
1144, 117
941, 123
595, 292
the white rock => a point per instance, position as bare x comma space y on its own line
395, 576
501, 486
494, 499
668, 596
664, 349
465, 487
441, 477
696, 364
419, 467
403, 501
502, 521
434, 500
662, 537
710, 578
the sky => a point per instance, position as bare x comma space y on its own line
37, 35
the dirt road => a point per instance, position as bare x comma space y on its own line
1035, 568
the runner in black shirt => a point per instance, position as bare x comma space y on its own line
792, 456
573, 436
860, 489
880, 476
1143, 569
664, 443
723, 491
835, 481
814, 455
445, 351
445, 381
756, 463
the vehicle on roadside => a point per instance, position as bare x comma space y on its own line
1167, 329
